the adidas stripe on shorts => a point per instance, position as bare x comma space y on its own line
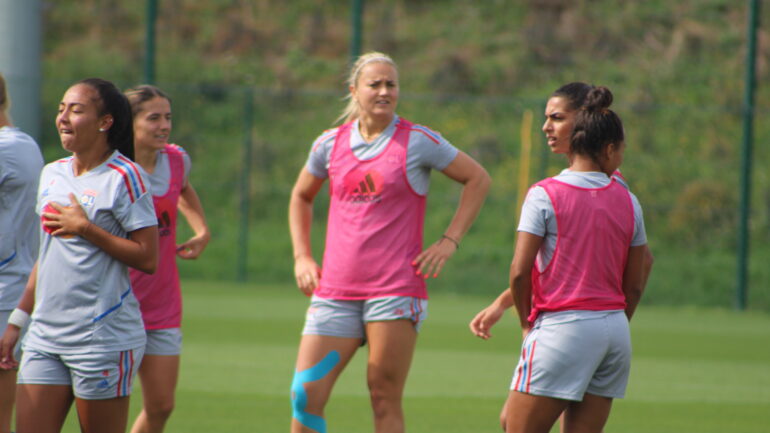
570, 353
93, 376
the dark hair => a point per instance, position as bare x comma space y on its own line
120, 136
138, 95
596, 126
575, 93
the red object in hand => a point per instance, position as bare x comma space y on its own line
48, 209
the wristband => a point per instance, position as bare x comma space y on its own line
457, 244
19, 318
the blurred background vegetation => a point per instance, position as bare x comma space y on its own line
253, 82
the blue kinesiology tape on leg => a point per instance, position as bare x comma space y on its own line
299, 396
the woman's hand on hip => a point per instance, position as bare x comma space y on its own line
431, 261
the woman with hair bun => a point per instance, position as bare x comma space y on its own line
86, 338
560, 113
372, 288
576, 278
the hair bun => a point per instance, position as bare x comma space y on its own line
598, 99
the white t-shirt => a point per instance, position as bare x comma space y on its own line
427, 150
83, 298
20, 166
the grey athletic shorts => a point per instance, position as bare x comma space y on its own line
164, 342
340, 318
93, 376
569, 353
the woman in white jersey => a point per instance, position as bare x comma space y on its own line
561, 110
372, 286
575, 297
20, 165
86, 337
160, 298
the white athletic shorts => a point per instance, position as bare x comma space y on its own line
4, 315
570, 353
93, 376
164, 342
340, 318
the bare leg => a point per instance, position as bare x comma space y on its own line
42, 408
391, 346
504, 413
562, 428
159, 374
103, 416
7, 398
587, 416
528, 413
312, 350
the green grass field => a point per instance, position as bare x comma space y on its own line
694, 370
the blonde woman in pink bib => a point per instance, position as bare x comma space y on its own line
371, 288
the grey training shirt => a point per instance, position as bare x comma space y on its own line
83, 298
20, 166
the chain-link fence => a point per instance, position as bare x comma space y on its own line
248, 144
676, 70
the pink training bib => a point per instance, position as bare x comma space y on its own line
595, 228
159, 294
375, 223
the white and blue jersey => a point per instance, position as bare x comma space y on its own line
20, 165
427, 150
83, 298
